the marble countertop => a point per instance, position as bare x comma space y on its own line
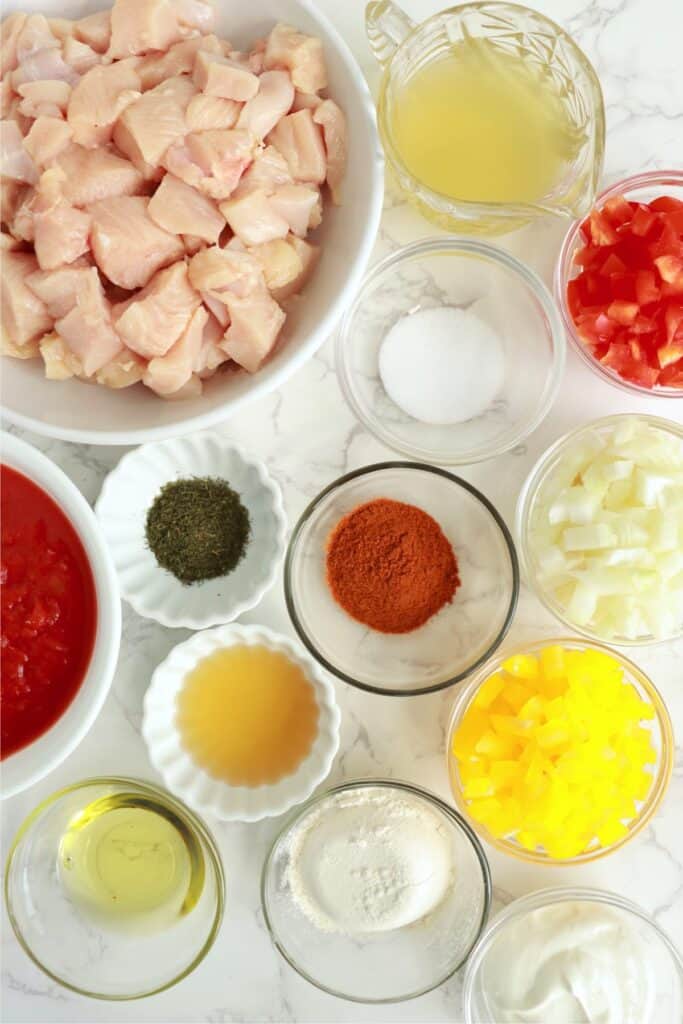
308, 436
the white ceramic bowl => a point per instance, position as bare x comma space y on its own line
95, 415
126, 496
30, 764
191, 783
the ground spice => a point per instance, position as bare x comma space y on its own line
390, 566
197, 528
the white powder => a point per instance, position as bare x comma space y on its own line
442, 365
369, 861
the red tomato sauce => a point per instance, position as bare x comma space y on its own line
49, 612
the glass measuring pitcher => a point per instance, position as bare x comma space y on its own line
403, 48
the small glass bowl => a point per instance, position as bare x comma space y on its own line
390, 966
669, 965
455, 640
505, 294
662, 739
642, 188
529, 494
75, 950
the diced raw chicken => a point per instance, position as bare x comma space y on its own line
61, 235
35, 94
166, 374
252, 61
218, 310
87, 328
183, 210
158, 314
100, 97
155, 121
58, 289
178, 60
299, 206
44, 65
193, 389
35, 36
10, 28
279, 261
62, 28
12, 194
15, 162
210, 355
46, 139
8, 347
219, 76
24, 316
18, 209
300, 141
222, 272
254, 219
206, 112
139, 26
9, 242
195, 14
60, 362
14, 113
122, 371
211, 161
308, 255
306, 101
268, 170
255, 323
271, 102
94, 30
128, 246
300, 54
79, 56
193, 243
333, 122
94, 174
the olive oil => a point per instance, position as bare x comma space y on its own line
484, 124
131, 863
247, 715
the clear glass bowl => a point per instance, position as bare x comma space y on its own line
74, 949
661, 733
503, 293
529, 495
452, 643
642, 188
666, 959
390, 966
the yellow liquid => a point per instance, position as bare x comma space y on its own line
247, 715
130, 862
482, 125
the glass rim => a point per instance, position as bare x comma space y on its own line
406, 787
196, 824
308, 514
454, 245
563, 268
660, 779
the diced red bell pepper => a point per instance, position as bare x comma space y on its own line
602, 232
666, 204
669, 354
613, 265
673, 321
618, 210
647, 289
643, 221
623, 312
670, 268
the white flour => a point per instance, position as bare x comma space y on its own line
369, 861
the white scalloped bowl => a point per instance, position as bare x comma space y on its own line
186, 779
127, 494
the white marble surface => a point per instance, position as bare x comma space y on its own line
308, 436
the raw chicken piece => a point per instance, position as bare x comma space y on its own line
331, 118
300, 54
268, 170
178, 60
210, 355
58, 289
12, 194
122, 371
308, 255
138, 26
158, 315
100, 97
305, 101
181, 209
128, 246
299, 206
300, 141
87, 328
218, 309
195, 14
94, 174
155, 121
166, 374
60, 234
211, 161
279, 261
255, 322
47, 138
24, 316
15, 162
62, 28
60, 362
206, 112
10, 28
44, 65
18, 202
219, 76
193, 244
271, 102
79, 56
95, 30
220, 272
254, 219
14, 113
9, 242
193, 389
8, 347
35, 94
35, 36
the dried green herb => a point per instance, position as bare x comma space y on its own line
197, 528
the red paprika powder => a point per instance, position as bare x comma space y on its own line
390, 566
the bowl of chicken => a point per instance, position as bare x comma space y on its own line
190, 195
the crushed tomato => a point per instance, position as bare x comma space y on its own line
627, 299
49, 612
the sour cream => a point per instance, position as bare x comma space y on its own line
572, 963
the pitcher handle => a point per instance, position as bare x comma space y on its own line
386, 26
